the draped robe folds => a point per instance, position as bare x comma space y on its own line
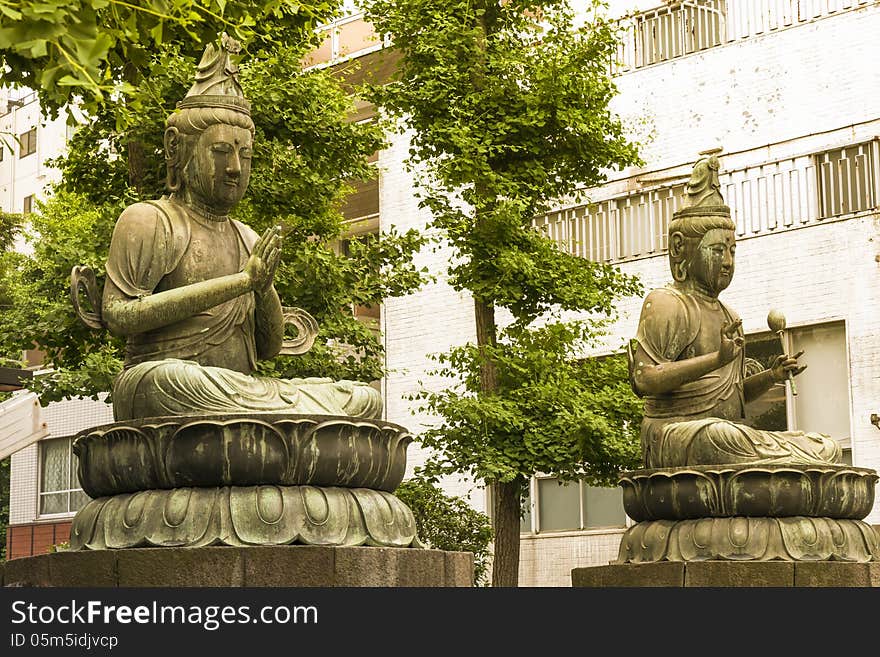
181, 368
702, 421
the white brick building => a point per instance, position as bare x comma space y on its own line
791, 90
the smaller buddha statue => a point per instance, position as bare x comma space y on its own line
688, 362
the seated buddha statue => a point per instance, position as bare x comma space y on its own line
191, 289
688, 362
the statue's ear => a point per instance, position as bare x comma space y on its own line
172, 158
676, 245
172, 144
677, 261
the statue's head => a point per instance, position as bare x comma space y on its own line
208, 140
702, 237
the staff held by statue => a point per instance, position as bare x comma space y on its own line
776, 322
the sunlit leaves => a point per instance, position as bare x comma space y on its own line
506, 104
306, 149
92, 49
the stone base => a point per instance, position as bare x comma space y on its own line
281, 566
729, 574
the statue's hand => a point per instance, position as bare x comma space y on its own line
784, 364
264, 260
731, 342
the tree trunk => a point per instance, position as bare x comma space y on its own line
484, 313
137, 158
136, 165
506, 502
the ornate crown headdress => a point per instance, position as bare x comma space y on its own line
704, 189
216, 81
705, 208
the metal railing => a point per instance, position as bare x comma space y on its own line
683, 28
763, 199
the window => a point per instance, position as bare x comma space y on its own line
2, 151
59, 486
27, 204
846, 180
571, 506
822, 400
27, 142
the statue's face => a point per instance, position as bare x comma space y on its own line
712, 263
217, 174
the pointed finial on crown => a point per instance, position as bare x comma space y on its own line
704, 188
216, 80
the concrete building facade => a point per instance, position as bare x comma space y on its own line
27, 140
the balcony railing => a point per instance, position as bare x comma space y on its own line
764, 199
683, 28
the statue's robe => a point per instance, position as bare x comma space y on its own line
203, 364
702, 422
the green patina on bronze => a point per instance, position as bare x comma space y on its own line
747, 490
244, 450
715, 487
244, 515
203, 452
191, 289
739, 538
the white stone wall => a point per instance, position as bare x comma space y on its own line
548, 561
760, 91
799, 90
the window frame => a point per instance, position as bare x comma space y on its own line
535, 530
72, 462
27, 143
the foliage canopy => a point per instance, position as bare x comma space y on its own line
306, 154
90, 51
507, 105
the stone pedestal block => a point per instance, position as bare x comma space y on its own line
744, 574
258, 566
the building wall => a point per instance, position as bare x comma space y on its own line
549, 560
797, 90
756, 92
28, 532
21, 177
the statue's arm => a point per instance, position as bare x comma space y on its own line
757, 384
269, 320
126, 316
652, 378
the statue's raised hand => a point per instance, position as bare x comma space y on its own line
264, 260
783, 364
731, 342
